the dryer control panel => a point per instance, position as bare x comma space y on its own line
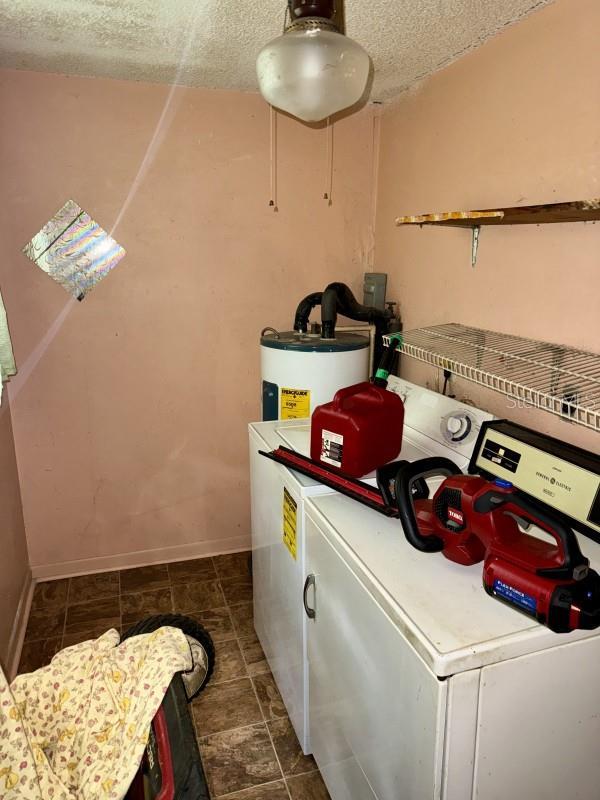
441, 418
562, 476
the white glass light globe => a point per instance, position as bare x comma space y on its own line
312, 73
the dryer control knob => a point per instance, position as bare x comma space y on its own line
459, 427
454, 425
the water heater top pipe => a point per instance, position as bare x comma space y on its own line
337, 297
305, 306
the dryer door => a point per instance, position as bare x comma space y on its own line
376, 712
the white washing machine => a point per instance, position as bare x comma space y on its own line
424, 688
433, 425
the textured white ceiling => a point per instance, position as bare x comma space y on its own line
214, 43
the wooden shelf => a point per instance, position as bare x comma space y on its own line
574, 211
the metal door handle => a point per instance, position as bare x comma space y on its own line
310, 581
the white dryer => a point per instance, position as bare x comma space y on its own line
424, 688
434, 425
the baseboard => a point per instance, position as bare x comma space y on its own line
140, 558
15, 644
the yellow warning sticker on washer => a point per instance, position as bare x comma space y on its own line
290, 508
294, 404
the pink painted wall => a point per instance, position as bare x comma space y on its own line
130, 413
15, 574
515, 122
130, 409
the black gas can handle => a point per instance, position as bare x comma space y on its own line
407, 475
574, 563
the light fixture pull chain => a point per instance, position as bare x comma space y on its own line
273, 158
329, 159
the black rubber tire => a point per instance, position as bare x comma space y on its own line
189, 626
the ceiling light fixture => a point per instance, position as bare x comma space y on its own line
312, 70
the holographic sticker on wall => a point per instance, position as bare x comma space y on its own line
74, 250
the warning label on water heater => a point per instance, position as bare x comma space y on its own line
332, 447
294, 404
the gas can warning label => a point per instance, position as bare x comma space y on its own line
332, 447
294, 404
515, 596
290, 508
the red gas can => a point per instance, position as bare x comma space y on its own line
359, 430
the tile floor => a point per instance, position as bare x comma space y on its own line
248, 746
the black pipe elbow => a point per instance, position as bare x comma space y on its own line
305, 306
329, 307
338, 298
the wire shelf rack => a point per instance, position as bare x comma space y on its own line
552, 377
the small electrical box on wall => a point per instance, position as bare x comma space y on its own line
374, 286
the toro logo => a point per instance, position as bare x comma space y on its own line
456, 515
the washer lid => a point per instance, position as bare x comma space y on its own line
296, 434
312, 343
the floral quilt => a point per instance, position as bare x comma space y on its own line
77, 729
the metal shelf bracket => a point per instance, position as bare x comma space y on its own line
474, 244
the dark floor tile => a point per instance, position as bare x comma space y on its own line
254, 656
236, 760
50, 594
231, 565
198, 569
308, 787
237, 590
217, 622
93, 587
243, 619
37, 654
142, 579
93, 614
223, 706
229, 663
292, 759
197, 596
138, 606
45, 624
268, 791
95, 632
268, 695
